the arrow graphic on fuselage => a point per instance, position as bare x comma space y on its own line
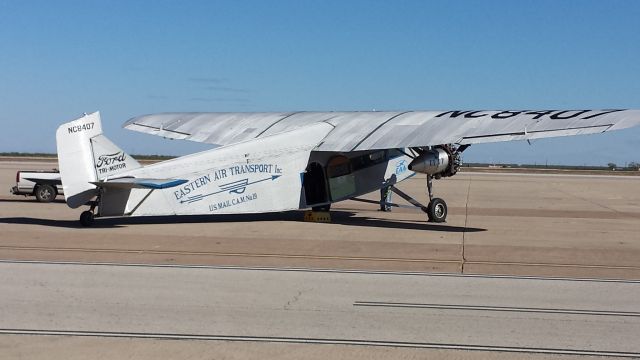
237, 187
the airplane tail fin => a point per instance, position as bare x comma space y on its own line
85, 155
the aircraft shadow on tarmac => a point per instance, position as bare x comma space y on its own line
30, 200
346, 218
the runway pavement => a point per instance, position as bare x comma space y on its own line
476, 313
546, 226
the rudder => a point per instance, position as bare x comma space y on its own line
85, 155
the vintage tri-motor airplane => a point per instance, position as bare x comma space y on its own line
269, 162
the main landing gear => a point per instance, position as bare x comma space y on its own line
436, 210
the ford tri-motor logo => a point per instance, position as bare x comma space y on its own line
111, 159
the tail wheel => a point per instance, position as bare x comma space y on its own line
45, 193
86, 218
437, 210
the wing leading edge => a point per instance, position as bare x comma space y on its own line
384, 130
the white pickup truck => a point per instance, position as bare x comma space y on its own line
44, 185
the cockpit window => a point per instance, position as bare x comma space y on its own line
377, 157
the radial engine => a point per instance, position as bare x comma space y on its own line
437, 161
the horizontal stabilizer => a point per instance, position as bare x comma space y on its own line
135, 183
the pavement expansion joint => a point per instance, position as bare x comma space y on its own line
362, 342
497, 308
321, 270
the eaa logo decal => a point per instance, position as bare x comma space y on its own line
401, 166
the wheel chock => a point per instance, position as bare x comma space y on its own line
317, 216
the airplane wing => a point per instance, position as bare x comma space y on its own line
385, 130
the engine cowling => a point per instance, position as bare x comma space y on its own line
437, 161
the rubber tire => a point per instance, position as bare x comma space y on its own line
86, 218
45, 193
437, 210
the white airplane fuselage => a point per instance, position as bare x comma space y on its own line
269, 174
217, 184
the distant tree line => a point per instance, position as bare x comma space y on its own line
632, 166
53, 156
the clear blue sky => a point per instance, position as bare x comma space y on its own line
126, 58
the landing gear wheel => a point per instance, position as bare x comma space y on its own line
86, 218
437, 210
45, 193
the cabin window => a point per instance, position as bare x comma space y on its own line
338, 165
342, 184
369, 159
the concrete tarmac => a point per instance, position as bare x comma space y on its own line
399, 310
513, 224
547, 225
